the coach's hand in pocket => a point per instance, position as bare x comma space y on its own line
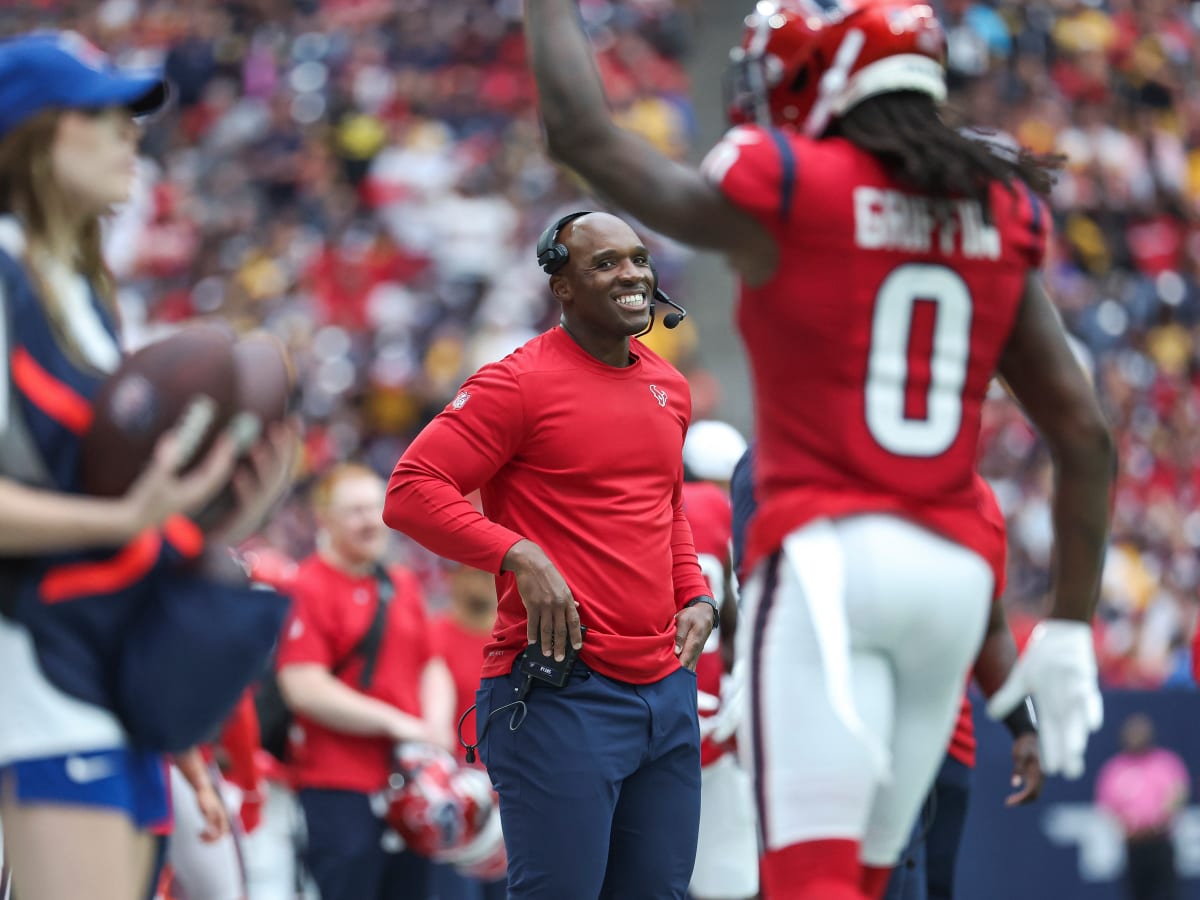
693, 625
552, 615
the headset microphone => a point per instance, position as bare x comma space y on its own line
670, 320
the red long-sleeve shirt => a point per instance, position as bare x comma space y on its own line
585, 460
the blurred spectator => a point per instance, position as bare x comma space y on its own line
1144, 787
459, 636
357, 670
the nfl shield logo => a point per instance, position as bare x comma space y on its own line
461, 400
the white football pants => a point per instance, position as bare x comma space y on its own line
859, 635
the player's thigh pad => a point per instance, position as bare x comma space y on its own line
920, 602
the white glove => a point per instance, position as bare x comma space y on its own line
1058, 670
729, 710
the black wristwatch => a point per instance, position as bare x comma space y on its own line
711, 602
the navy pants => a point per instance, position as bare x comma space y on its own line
345, 853
449, 884
1151, 871
599, 785
927, 865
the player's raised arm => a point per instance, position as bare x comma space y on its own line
669, 197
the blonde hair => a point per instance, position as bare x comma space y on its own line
29, 191
322, 492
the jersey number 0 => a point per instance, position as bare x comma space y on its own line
896, 350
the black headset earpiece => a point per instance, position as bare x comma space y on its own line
551, 255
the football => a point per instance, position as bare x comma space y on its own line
264, 377
147, 395
263, 371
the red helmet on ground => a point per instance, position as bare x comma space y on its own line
804, 62
445, 812
481, 854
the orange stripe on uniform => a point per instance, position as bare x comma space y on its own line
131, 563
55, 398
184, 535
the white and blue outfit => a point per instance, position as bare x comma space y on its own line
55, 747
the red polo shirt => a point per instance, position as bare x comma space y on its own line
331, 612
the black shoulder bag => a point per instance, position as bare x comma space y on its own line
274, 717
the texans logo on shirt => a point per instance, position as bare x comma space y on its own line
659, 394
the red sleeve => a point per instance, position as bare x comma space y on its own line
1031, 225
689, 581
309, 635
455, 454
754, 168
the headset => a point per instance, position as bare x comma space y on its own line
552, 256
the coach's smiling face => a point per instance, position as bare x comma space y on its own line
605, 287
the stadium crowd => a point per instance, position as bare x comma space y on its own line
365, 178
1112, 86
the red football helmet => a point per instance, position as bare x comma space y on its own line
804, 62
445, 812
481, 854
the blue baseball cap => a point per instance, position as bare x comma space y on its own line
62, 70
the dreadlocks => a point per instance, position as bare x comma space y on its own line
906, 132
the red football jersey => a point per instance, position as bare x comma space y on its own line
872, 346
709, 513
